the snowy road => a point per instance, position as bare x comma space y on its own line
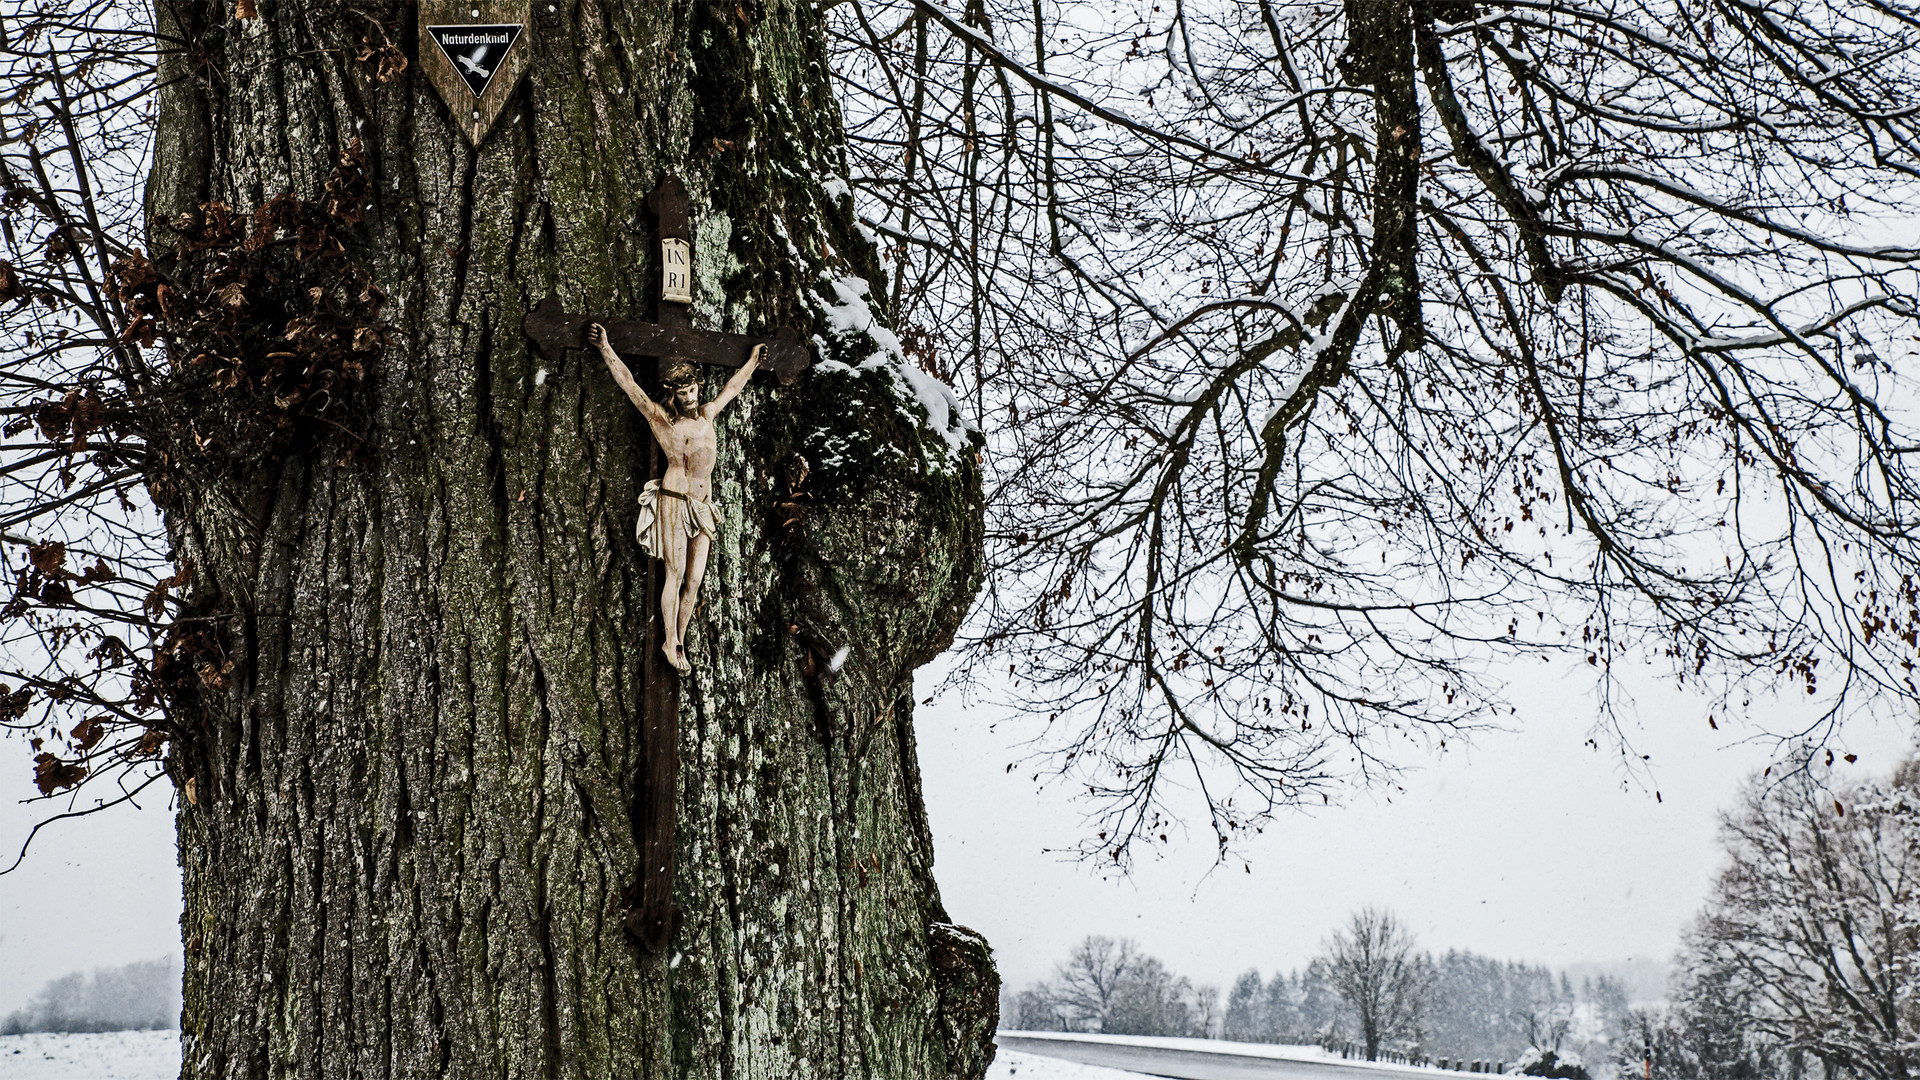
155, 1055
1205, 1059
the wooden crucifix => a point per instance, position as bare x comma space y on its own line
672, 342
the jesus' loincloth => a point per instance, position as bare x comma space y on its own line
667, 515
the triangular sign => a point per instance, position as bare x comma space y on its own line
476, 52
479, 51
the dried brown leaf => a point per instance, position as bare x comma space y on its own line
87, 734
50, 774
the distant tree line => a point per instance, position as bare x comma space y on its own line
141, 996
1370, 988
1804, 964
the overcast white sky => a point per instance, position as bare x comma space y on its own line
1525, 846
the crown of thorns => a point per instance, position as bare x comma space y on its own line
679, 375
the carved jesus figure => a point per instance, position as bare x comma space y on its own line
678, 523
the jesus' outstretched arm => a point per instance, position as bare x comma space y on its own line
623, 378
738, 382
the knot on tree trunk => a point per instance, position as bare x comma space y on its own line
969, 988
884, 532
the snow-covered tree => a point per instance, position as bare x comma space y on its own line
1699, 1035
1245, 1019
1318, 1013
1207, 1015
139, 996
1151, 1000
1373, 964
1091, 978
1482, 1008
1811, 936
1607, 1001
1108, 985
1037, 1009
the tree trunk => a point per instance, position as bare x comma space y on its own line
411, 831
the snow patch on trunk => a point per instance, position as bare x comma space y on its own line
849, 318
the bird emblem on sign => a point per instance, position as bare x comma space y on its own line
473, 68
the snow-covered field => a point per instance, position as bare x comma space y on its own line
155, 1055
120, 1055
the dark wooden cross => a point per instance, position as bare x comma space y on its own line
670, 339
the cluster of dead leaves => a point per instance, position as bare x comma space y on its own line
45, 579
189, 660
279, 321
61, 244
921, 345
378, 51
74, 417
52, 772
11, 287
189, 655
270, 324
70, 420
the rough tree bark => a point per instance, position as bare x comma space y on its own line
411, 825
